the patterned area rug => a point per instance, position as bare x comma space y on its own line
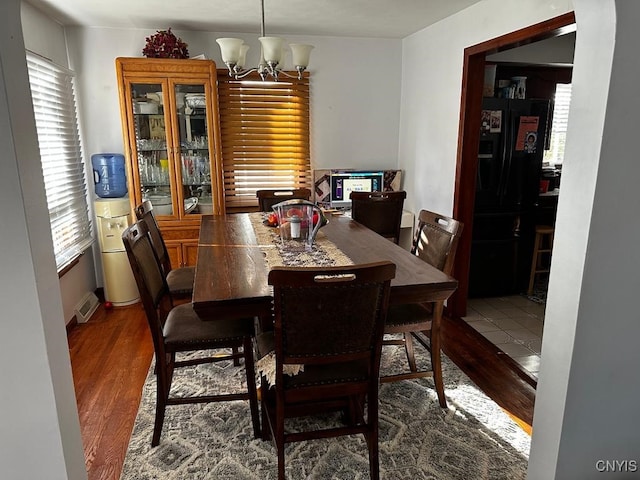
472, 439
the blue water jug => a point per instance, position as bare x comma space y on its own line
108, 175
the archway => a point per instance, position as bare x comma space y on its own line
469, 133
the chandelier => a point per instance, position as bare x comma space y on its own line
234, 55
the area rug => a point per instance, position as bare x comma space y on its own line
472, 439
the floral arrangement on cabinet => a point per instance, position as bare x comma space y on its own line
164, 44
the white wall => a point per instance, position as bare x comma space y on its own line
586, 409
588, 385
40, 433
431, 88
355, 107
354, 112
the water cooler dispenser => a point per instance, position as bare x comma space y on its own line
113, 215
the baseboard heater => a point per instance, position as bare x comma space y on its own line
86, 307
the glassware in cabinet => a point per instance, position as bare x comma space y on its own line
194, 140
152, 149
171, 129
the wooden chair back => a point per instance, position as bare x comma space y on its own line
144, 211
149, 278
331, 320
180, 329
268, 198
379, 211
436, 240
329, 314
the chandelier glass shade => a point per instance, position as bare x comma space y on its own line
234, 55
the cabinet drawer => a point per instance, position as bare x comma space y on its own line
180, 233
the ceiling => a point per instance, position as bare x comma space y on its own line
349, 18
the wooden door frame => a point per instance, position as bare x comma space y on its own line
469, 137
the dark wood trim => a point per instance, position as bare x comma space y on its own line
99, 293
465, 184
554, 27
499, 376
73, 323
469, 136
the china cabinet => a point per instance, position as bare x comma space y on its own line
170, 122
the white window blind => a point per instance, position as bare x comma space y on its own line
265, 136
54, 106
562, 100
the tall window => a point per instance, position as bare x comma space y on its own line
562, 100
265, 136
62, 165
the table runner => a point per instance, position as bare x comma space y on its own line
323, 253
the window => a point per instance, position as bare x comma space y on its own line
555, 154
54, 106
265, 136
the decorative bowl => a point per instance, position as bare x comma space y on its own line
190, 204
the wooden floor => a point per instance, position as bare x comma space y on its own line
110, 358
111, 355
497, 374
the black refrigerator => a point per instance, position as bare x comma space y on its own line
512, 141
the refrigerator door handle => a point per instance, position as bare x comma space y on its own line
507, 156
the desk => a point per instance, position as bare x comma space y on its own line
231, 273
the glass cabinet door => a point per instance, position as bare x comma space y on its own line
152, 149
194, 148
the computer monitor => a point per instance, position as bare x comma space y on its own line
345, 182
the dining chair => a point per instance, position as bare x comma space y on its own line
179, 280
177, 329
268, 198
379, 211
330, 320
435, 241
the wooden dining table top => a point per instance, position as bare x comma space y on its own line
231, 271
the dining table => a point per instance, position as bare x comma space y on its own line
236, 252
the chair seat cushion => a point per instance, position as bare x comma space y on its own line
409, 314
184, 329
180, 280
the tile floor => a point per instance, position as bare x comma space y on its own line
513, 323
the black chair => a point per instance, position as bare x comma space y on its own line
179, 280
435, 242
330, 320
179, 329
379, 211
268, 198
